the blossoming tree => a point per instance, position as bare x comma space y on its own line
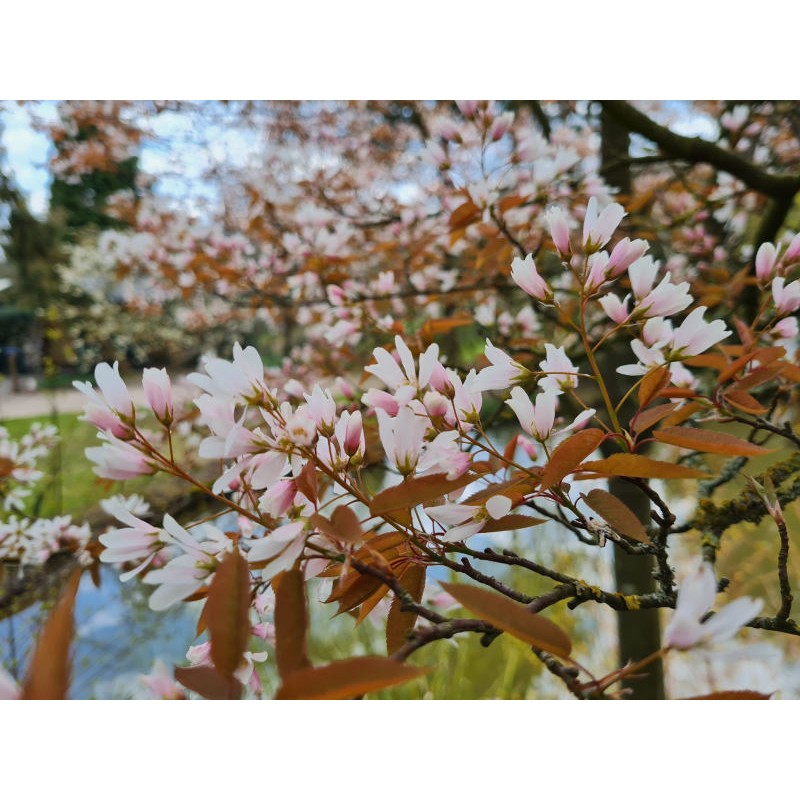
629, 346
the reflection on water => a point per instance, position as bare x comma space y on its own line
117, 637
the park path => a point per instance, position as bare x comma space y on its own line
18, 405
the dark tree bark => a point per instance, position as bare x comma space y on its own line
639, 632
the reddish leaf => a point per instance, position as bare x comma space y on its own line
511, 522
413, 491
436, 327
48, 675
208, 683
291, 623
791, 372
512, 617
465, 214
710, 360
521, 483
511, 447
569, 454
744, 402
306, 482
760, 376
633, 466
736, 694
651, 416
709, 442
347, 525
399, 623
683, 413
344, 680
227, 613
652, 384
765, 355
617, 515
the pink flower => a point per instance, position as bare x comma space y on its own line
625, 253
443, 455
377, 398
597, 230
114, 412
322, 409
118, 460
786, 328
695, 336
598, 270
642, 274
792, 253
558, 223
139, 540
666, 299
467, 107
766, 260
525, 275
695, 599
158, 392
786, 297
616, 309
161, 684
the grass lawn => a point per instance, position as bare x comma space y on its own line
70, 485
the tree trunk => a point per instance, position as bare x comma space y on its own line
639, 631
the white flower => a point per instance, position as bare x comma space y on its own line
597, 230
404, 381
402, 438
538, 420
562, 373
458, 514
503, 372
695, 598
695, 336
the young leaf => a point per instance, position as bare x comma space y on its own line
347, 525
652, 384
49, 671
512, 617
346, 679
744, 402
291, 623
413, 491
617, 515
736, 694
629, 465
709, 442
760, 376
651, 416
511, 522
208, 683
227, 613
570, 454
306, 482
399, 623
682, 413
